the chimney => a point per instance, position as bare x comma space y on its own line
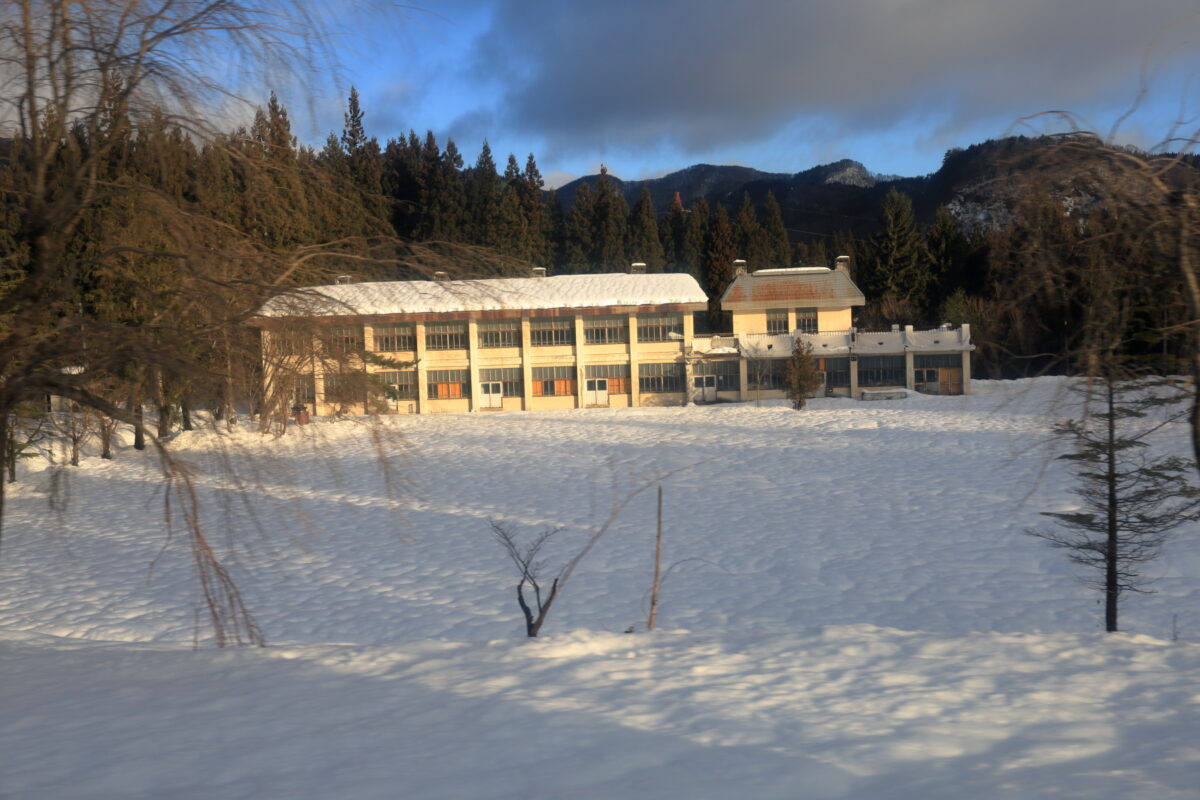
637, 268
343, 279
842, 264
441, 276
537, 272
739, 266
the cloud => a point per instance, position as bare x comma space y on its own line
698, 74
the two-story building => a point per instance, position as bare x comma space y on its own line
580, 341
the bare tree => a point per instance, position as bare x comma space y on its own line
525, 559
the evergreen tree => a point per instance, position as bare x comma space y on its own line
1129, 500
483, 194
695, 238
749, 242
362, 152
899, 261
779, 250
644, 244
448, 217
802, 378
578, 234
672, 232
537, 214
718, 260
610, 223
948, 250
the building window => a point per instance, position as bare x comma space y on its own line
766, 374
605, 330
806, 320
448, 384
446, 336
660, 327
881, 371
500, 333
777, 320
837, 371
344, 339
553, 381
398, 385
553, 331
617, 375
346, 387
395, 338
933, 360
509, 376
304, 390
291, 343
660, 378
728, 378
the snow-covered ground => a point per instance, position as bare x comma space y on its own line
856, 613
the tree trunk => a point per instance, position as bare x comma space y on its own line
106, 433
185, 414
658, 536
139, 423
1112, 588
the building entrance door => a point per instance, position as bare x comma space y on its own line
492, 395
706, 388
596, 392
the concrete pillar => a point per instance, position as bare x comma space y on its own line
580, 394
635, 396
853, 375
966, 369
526, 365
422, 377
473, 362
910, 379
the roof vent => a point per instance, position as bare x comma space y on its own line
537, 272
344, 279
441, 276
637, 268
739, 266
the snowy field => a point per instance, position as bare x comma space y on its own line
856, 614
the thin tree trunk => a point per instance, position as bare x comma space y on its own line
185, 414
658, 537
1111, 578
107, 425
5, 444
139, 423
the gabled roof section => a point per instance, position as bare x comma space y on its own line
802, 286
493, 294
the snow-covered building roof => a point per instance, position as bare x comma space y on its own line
492, 294
808, 286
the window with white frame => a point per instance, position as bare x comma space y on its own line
398, 384
500, 333
806, 320
509, 376
777, 321
606, 330
660, 378
727, 373
881, 371
766, 374
448, 384
344, 339
446, 336
617, 375
552, 331
553, 381
395, 338
660, 327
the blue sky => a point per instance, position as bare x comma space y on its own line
780, 85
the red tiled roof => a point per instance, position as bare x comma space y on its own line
788, 287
